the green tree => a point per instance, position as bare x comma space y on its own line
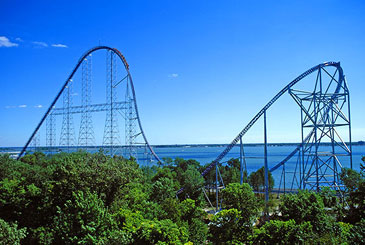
10, 233
257, 180
242, 198
136, 197
145, 231
228, 227
283, 232
163, 188
306, 206
357, 233
192, 218
193, 182
160, 232
329, 197
350, 178
355, 186
84, 219
94, 198
234, 224
231, 172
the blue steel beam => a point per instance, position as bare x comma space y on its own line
266, 107
124, 61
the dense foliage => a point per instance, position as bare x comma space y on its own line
84, 198
93, 198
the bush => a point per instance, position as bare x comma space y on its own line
84, 219
10, 234
306, 206
242, 198
283, 232
228, 227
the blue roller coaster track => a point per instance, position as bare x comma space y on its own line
266, 107
83, 57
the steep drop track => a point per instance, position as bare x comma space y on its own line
266, 107
126, 66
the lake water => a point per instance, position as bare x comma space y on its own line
253, 155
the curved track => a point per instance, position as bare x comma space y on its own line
126, 66
266, 107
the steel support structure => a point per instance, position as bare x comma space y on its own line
86, 132
51, 131
130, 124
36, 142
326, 114
266, 166
216, 188
111, 139
340, 83
243, 165
113, 106
67, 138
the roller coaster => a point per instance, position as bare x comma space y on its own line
115, 107
324, 109
325, 123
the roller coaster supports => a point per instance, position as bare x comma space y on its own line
316, 145
349, 117
216, 188
86, 132
50, 131
111, 130
266, 166
241, 161
67, 138
322, 113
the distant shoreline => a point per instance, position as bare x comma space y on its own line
189, 145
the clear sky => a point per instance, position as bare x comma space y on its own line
201, 69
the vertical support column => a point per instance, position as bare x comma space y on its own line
350, 139
285, 177
111, 131
266, 166
50, 131
301, 159
316, 142
241, 161
131, 118
216, 187
67, 133
86, 133
333, 153
317, 110
128, 121
68, 115
36, 142
110, 83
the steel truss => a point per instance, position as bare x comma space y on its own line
114, 107
131, 129
323, 114
86, 132
323, 111
67, 132
111, 131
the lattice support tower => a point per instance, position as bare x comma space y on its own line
51, 130
112, 106
111, 137
130, 125
326, 115
86, 133
36, 142
67, 132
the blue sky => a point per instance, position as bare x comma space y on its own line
201, 69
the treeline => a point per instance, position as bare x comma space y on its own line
84, 198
